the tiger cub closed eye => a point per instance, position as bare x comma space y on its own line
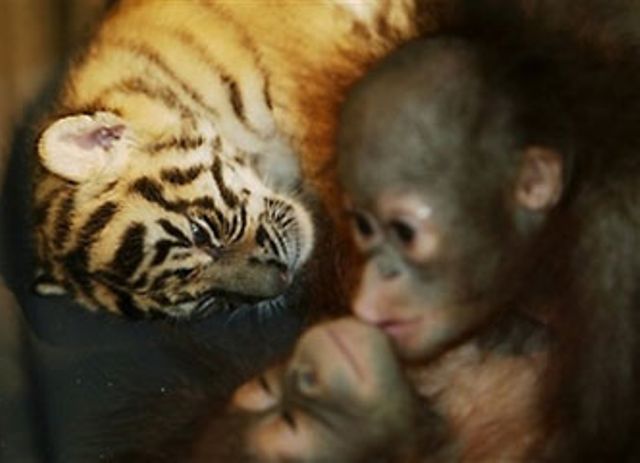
169, 178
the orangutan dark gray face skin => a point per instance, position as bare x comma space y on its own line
341, 398
442, 195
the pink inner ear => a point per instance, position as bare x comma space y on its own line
103, 137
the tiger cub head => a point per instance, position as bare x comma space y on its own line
139, 226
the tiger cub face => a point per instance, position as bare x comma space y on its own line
138, 226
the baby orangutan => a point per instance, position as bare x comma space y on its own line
490, 181
341, 398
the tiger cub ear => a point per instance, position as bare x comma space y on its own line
86, 147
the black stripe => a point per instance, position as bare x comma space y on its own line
239, 224
266, 92
249, 45
127, 307
273, 207
174, 231
236, 99
183, 273
110, 279
88, 109
130, 253
233, 226
285, 218
287, 221
204, 202
190, 41
277, 209
41, 211
76, 264
152, 191
159, 93
62, 225
221, 220
243, 223
228, 196
181, 176
215, 229
184, 143
160, 280
162, 300
151, 56
98, 219
263, 238
162, 248
110, 186
229, 82
281, 241
141, 281
278, 212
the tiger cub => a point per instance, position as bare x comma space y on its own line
170, 176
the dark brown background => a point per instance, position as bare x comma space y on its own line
35, 35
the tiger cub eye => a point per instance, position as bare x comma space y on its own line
199, 234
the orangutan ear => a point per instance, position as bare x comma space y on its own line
85, 147
539, 183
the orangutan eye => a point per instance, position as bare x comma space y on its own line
403, 231
417, 237
363, 225
306, 381
365, 230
